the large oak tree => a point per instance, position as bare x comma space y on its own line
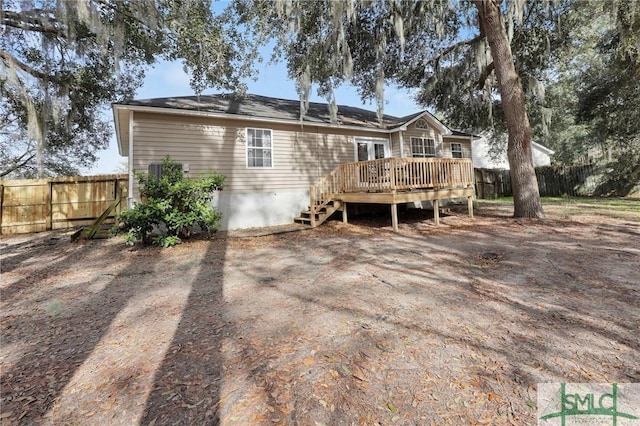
526, 197
63, 61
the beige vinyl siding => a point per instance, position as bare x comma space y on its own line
431, 132
301, 155
395, 144
466, 147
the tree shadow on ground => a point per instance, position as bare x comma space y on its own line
187, 385
492, 328
48, 331
142, 328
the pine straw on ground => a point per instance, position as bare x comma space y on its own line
344, 324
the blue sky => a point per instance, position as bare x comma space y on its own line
169, 79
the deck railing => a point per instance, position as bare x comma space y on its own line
392, 175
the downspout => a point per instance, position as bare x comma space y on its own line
130, 197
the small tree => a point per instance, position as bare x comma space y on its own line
172, 207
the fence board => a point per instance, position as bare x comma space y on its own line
34, 205
553, 181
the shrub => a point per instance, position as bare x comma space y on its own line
172, 206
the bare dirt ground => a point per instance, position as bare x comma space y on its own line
346, 324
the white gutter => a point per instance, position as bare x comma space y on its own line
117, 123
467, 138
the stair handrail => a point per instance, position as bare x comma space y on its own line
399, 173
323, 192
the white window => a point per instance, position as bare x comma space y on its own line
421, 124
423, 147
156, 169
456, 150
259, 148
371, 148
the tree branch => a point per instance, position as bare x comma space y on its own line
17, 20
456, 45
17, 166
103, 3
9, 59
436, 59
484, 75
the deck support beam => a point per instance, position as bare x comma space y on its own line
394, 217
470, 206
395, 198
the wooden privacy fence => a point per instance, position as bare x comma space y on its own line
492, 183
34, 205
553, 181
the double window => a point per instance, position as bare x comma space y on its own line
423, 147
259, 148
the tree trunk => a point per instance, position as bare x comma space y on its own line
526, 197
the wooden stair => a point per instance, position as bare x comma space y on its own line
321, 215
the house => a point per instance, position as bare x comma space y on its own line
278, 164
486, 156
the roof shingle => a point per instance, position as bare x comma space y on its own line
272, 108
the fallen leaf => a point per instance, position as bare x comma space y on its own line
391, 407
357, 373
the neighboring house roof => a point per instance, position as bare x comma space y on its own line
542, 148
482, 158
263, 108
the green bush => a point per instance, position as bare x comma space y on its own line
171, 207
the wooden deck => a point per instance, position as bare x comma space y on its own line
390, 181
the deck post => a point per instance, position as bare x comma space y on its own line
470, 206
344, 213
312, 206
436, 211
394, 217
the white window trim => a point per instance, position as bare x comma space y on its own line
424, 145
420, 125
364, 139
452, 151
246, 149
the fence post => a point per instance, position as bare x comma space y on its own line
1, 204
